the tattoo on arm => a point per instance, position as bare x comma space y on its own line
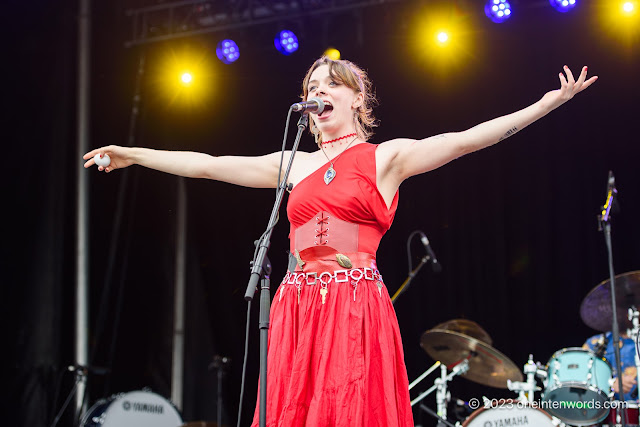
510, 132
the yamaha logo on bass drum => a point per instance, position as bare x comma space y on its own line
149, 408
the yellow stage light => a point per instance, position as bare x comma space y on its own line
184, 76
620, 21
443, 38
628, 7
332, 53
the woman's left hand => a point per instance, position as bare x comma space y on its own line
568, 88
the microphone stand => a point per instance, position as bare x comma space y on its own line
409, 278
258, 274
604, 224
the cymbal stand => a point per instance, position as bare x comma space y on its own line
441, 385
424, 375
526, 390
81, 378
633, 334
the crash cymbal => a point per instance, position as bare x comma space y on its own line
595, 309
466, 327
486, 364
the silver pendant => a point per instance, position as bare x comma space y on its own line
329, 175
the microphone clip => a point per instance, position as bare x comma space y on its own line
610, 204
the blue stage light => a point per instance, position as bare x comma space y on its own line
286, 42
227, 51
563, 5
498, 10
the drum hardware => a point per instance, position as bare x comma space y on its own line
81, 374
443, 396
465, 346
424, 375
526, 390
80, 378
596, 311
440, 384
615, 416
577, 375
487, 365
133, 409
598, 306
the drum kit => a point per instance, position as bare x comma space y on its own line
576, 382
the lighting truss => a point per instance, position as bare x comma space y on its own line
193, 17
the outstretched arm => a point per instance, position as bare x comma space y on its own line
257, 172
407, 157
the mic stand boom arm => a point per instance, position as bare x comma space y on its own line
257, 274
409, 278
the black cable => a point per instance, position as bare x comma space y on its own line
244, 363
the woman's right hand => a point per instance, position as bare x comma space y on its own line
120, 157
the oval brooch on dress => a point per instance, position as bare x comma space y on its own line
344, 261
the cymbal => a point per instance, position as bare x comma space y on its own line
486, 364
466, 327
595, 309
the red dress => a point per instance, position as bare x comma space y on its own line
335, 352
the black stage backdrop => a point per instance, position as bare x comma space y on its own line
514, 226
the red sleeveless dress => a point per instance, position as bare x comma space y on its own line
335, 351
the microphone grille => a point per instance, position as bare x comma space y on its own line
320, 103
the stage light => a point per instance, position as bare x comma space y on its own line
563, 5
442, 37
286, 42
498, 10
183, 76
332, 53
227, 51
186, 78
628, 7
620, 20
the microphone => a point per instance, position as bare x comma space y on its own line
611, 183
613, 191
601, 347
313, 105
435, 265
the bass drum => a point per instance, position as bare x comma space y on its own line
509, 414
133, 409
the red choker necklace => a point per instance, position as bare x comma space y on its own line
338, 139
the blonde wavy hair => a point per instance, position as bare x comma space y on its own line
349, 74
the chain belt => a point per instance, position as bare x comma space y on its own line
325, 277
